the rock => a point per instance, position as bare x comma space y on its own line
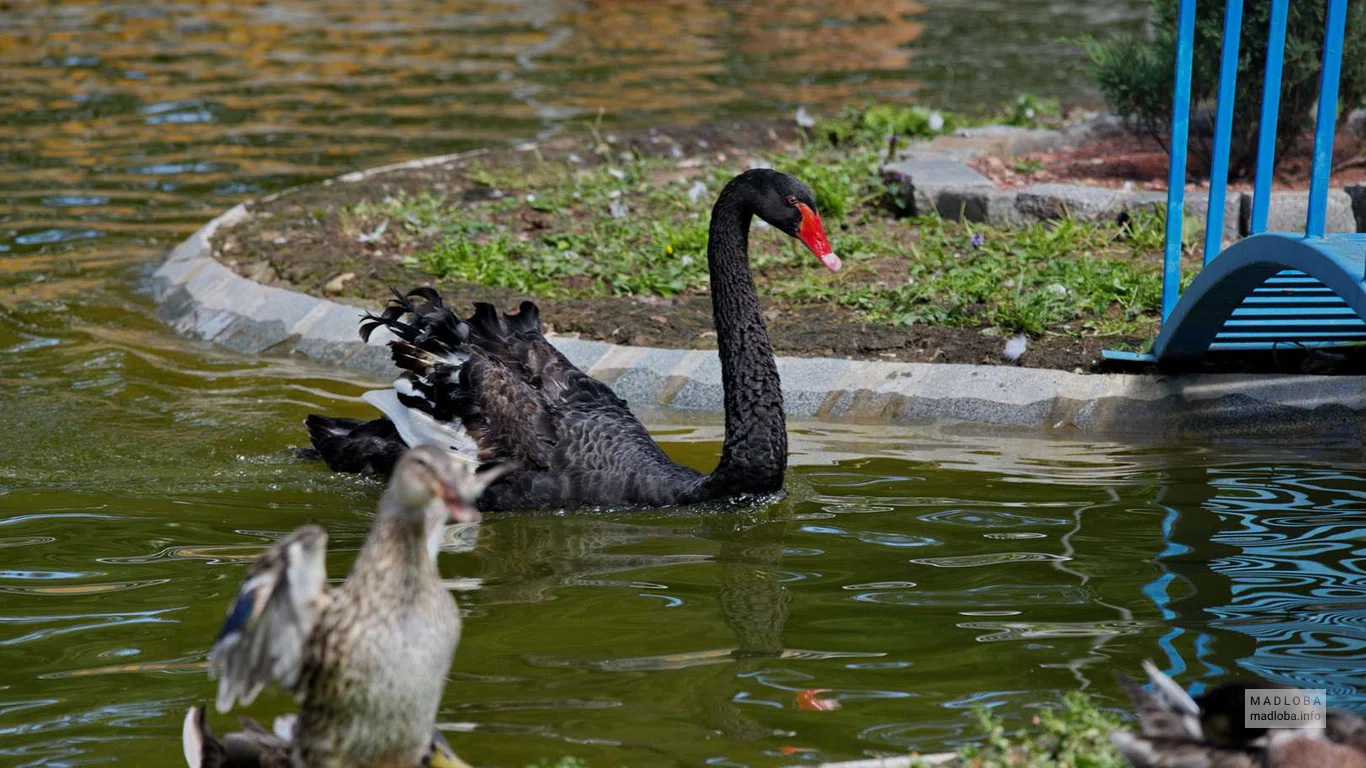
1235, 213
1095, 128
1015, 140
259, 272
1288, 211
1356, 122
1055, 201
921, 182
985, 204
338, 284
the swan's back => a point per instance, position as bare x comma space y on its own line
519, 399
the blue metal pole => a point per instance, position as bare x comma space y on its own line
1176, 173
1223, 130
1327, 119
1271, 107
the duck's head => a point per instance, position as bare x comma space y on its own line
438, 487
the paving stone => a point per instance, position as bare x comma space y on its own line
1095, 128
922, 181
1288, 211
1013, 139
1235, 213
809, 381
1045, 202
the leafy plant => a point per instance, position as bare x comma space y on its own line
1030, 111
1075, 735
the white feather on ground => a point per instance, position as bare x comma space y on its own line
1015, 347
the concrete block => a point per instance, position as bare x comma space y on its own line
808, 381
982, 204
1055, 201
1235, 213
1356, 122
1095, 128
702, 391
330, 321
373, 361
642, 384
583, 353
1288, 211
1011, 139
922, 181
327, 352
250, 336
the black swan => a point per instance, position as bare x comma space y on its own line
493, 386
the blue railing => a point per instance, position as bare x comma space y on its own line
1223, 130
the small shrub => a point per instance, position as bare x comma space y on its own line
1137, 75
1030, 111
874, 124
1075, 735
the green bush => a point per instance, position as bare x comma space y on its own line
1136, 75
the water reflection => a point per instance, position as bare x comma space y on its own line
907, 574
1290, 544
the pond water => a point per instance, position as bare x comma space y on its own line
910, 574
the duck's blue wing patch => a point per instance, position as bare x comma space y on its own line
265, 635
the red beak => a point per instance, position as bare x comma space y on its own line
812, 234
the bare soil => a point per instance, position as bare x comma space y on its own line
297, 241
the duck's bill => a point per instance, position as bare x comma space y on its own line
812, 235
461, 511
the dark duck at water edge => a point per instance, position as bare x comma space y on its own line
492, 386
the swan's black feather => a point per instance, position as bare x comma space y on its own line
520, 400
352, 445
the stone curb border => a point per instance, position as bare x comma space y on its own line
934, 177
201, 298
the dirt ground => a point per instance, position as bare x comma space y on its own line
295, 241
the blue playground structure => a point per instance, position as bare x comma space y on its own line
1270, 290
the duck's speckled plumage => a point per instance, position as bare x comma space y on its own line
367, 660
1177, 731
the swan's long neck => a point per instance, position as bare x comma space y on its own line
755, 452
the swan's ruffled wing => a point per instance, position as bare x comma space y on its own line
266, 632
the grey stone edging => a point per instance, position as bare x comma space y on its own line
934, 177
201, 298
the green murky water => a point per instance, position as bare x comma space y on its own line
909, 574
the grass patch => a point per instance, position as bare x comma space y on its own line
636, 225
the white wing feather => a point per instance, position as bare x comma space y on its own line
417, 428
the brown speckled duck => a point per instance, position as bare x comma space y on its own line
1177, 731
367, 660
